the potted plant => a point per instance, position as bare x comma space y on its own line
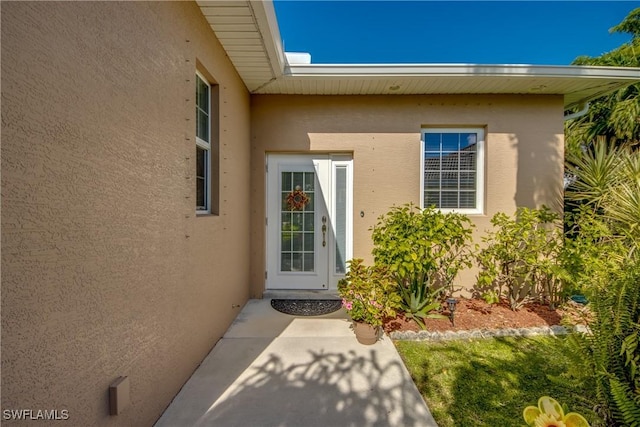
369, 295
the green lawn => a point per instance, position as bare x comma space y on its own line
488, 382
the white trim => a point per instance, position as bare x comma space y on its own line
480, 170
463, 70
205, 145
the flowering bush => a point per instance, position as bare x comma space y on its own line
368, 293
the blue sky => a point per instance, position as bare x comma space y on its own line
475, 32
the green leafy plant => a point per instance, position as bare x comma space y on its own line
521, 259
609, 352
490, 297
607, 180
368, 293
591, 253
424, 251
419, 301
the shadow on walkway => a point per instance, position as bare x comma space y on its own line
329, 389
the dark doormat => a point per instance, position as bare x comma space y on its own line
306, 307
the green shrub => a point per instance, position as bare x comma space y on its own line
592, 253
602, 258
607, 179
610, 352
424, 251
521, 259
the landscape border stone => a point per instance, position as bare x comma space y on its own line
483, 333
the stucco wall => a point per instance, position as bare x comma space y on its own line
106, 270
524, 152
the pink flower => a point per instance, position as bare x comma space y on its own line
347, 304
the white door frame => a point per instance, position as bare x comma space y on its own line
337, 210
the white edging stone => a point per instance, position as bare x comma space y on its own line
483, 333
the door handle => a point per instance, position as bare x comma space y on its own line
324, 231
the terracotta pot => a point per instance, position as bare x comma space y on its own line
365, 333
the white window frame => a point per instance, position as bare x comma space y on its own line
480, 148
205, 145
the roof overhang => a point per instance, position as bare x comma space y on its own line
576, 84
248, 31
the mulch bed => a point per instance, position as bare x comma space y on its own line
477, 314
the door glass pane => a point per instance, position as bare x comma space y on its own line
297, 242
307, 262
308, 242
310, 207
308, 221
309, 181
286, 241
297, 251
296, 221
296, 261
287, 185
285, 261
340, 221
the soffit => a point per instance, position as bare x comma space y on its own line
248, 32
576, 84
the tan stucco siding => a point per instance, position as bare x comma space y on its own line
106, 270
523, 157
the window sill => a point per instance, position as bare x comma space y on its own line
204, 214
467, 212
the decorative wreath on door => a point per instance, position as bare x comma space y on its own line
297, 199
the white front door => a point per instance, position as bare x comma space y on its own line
309, 215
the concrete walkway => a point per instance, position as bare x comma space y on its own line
275, 370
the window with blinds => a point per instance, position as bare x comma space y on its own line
452, 169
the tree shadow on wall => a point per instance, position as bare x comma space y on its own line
539, 177
330, 389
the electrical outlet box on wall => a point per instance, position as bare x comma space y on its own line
119, 396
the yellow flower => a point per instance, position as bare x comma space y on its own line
549, 413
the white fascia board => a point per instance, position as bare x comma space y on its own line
267, 23
460, 70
